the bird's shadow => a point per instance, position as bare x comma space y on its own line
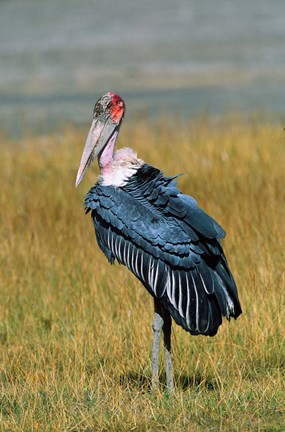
183, 382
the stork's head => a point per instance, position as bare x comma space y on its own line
107, 118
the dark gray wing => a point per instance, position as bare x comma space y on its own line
170, 244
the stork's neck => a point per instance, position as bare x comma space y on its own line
117, 168
105, 158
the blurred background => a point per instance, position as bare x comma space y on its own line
161, 56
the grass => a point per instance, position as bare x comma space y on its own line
75, 332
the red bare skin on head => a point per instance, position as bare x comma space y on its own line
118, 107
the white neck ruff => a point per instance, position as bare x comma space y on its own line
124, 164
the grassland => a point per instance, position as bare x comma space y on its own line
75, 332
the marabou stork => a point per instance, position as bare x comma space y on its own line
143, 221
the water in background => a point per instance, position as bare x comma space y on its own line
182, 56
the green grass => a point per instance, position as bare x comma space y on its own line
75, 332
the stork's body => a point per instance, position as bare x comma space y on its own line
172, 246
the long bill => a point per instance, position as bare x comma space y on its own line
100, 133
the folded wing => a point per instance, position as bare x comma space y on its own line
170, 244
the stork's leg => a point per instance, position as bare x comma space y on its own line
157, 327
167, 349
162, 321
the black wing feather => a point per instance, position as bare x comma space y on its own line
170, 244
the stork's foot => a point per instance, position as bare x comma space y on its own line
162, 321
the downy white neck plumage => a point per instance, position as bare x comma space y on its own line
117, 168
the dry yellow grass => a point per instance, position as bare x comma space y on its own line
75, 333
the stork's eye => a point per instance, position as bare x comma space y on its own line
98, 109
120, 103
